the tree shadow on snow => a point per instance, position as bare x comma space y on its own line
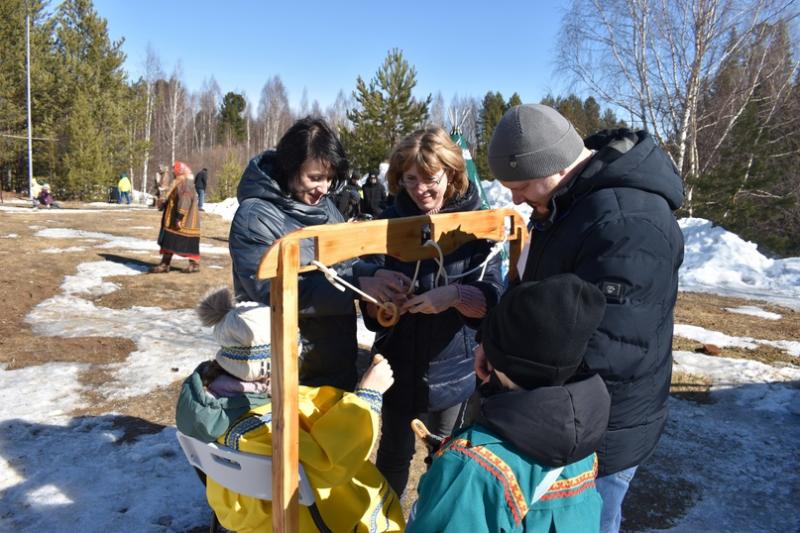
103, 473
724, 463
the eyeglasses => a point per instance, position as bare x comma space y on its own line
432, 182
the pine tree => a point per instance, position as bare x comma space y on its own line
386, 112
13, 113
490, 114
231, 117
91, 86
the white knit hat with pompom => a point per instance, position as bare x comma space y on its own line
243, 332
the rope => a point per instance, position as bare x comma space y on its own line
496, 249
387, 314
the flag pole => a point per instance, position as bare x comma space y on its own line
28, 93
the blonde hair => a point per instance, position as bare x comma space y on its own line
431, 150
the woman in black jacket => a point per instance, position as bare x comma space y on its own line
430, 348
285, 190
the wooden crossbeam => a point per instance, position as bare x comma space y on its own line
403, 239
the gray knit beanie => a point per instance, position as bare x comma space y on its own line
532, 141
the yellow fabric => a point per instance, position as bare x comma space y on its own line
124, 185
337, 432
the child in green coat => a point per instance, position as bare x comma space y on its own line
528, 463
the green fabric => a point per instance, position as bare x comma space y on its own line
459, 493
201, 415
472, 170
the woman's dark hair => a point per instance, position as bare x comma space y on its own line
310, 138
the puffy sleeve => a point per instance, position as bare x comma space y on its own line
343, 437
256, 226
634, 263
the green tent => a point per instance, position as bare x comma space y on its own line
472, 170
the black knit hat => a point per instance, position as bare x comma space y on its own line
538, 332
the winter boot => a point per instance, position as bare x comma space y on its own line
163, 267
193, 267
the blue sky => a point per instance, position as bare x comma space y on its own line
464, 48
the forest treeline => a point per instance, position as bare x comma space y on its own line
716, 82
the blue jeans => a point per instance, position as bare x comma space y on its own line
126, 196
612, 489
201, 198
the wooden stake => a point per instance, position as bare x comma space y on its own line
285, 420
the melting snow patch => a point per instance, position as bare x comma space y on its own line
754, 311
117, 241
63, 250
720, 339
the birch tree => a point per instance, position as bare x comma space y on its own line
651, 58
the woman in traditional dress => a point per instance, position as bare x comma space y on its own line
180, 223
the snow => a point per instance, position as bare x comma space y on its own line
754, 311
118, 241
721, 262
734, 460
720, 339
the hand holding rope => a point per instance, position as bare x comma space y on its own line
388, 314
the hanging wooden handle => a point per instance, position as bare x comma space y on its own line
388, 315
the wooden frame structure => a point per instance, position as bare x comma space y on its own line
403, 239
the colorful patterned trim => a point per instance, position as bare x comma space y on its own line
564, 488
246, 353
498, 468
243, 426
373, 398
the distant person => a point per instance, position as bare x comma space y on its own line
163, 181
227, 400
603, 210
124, 188
348, 200
374, 196
200, 181
528, 463
45, 197
36, 190
180, 223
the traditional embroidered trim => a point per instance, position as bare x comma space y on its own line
243, 426
373, 518
564, 488
373, 398
246, 353
497, 468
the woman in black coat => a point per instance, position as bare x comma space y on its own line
430, 348
286, 190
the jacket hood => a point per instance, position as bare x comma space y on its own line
627, 158
257, 182
203, 416
469, 201
555, 426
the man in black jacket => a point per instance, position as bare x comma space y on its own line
374, 196
200, 181
602, 209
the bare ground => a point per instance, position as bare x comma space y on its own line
29, 276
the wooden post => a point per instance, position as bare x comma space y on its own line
285, 420
400, 238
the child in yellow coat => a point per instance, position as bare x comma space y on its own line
227, 400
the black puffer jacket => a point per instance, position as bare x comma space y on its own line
327, 316
614, 226
431, 355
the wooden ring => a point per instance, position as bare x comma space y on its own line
388, 315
